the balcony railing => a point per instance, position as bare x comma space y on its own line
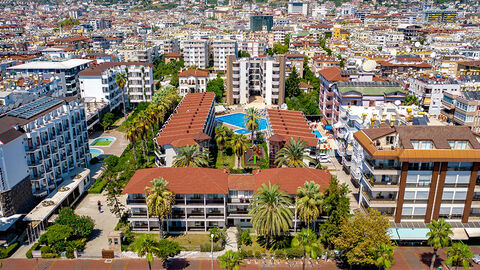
136, 201
195, 201
215, 201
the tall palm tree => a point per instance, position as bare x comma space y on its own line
222, 136
131, 133
231, 260
191, 156
293, 154
121, 80
142, 128
239, 146
143, 84
309, 202
146, 246
159, 201
307, 240
438, 237
383, 254
150, 118
160, 111
270, 212
253, 119
459, 254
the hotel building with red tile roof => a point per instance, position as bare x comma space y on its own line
206, 198
191, 123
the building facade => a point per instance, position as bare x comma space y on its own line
256, 76
196, 53
261, 22
221, 49
462, 109
192, 81
430, 91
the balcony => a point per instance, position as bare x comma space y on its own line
138, 214
195, 201
40, 193
238, 212
379, 200
136, 201
215, 214
196, 214
239, 200
215, 201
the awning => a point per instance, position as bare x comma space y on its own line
459, 234
426, 101
408, 234
473, 232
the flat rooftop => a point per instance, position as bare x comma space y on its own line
67, 64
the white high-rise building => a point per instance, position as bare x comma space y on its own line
40, 143
222, 48
196, 53
298, 7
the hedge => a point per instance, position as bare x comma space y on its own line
29, 252
7, 252
207, 247
97, 187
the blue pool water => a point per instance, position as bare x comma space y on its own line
238, 120
95, 152
317, 134
243, 131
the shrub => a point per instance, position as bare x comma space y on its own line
94, 160
69, 253
280, 254
207, 247
29, 252
82, 225
45, 249
258, 254
98, 186
7, 252
294, 252
49, 255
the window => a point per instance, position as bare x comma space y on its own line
426, 145
461, 145
407, 211
460, 195
409, 195
447, 195
390, 139
419, 211
422, 195
415, 144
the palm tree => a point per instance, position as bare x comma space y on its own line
253, 119
191, 156
159, 201
306, 239
383, 255
150, 118
309, 202
222, 135
142, 128
293, 154
121, 80
438, 237
131, 133
159, 110
270, 212
459, 254
146, 246
239, 146
231, 260
143, 83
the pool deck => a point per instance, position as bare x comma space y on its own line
116, 147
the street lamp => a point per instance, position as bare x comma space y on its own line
211, 248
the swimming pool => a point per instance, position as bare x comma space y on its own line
95, 152
103, 141
317, 134
238, 120
243, 131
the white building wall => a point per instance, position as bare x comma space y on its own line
13, 164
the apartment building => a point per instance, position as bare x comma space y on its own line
462, 109
430, 90
419, 173
350, 87
171, 45
207, 198
192, 123
256, 76
141, 52
192, 81
261, 22
283, 125
40, 143
253, 47
66, 70
98, 83
221, 49
298, 8
196, 53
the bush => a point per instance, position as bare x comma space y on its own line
49, 255
45, 249
258, 254
280, 254
294, 252
7, 252
94, 160
98, 186
29, 252
207, 247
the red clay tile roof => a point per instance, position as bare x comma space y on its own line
332, 74
291, 124
173, 54
193, 72
186, 125
98, 69
214, 181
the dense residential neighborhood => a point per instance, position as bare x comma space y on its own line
231, 134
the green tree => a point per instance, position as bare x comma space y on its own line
221, 136
191, 156
459, 254
167, 249
108, 120
146, 246
239, 146
216, 86
293, 154
82, 225
142, 129
336, 206
270, 212
159, 201
231, 260
121, 80
309, 202
131, 133
174, 80
57, 233
242, 54
361, 232
410, 100
383, 255
245, 239
218, 234
286, 40
252, 118
292, 84
307, 240
279, 48
438, 237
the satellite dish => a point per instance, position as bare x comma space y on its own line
417, 44
369, 65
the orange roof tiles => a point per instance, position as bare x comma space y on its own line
193, 72
291, 124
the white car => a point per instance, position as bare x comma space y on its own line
476, 258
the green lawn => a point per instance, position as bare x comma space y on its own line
224, 160
254, 247
189, 241
102, 143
